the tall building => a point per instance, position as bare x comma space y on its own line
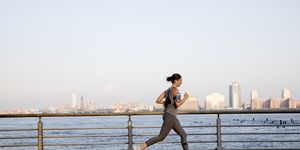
256, 103
254, 94
91, 105
235, 95
272, 103
81, 103
74, 100
191, 104
286, 93
290, 103
215, 101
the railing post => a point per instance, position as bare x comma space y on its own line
219, 138
130, 147
40, 134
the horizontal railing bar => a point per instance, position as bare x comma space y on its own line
173, 142
111, 143
141, 127
85, 144
288, 125
18, 145
261, 141
4, 130
265, 148
85, 128
175, 134
86, 136
155, 113
182, 126
28, 137
205, 126
90, 136
255, 133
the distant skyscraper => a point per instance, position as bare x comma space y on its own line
290, 103
91, 105
272, 103
257, 103
286, 93
214, 101
254, 94
81, 103
235, 95
74, 100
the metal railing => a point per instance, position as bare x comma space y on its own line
218, 126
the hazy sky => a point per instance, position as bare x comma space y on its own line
112, 51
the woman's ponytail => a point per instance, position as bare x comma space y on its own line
169, 78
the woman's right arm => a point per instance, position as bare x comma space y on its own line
161, 98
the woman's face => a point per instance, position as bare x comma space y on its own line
178, 82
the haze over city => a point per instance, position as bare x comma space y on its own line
114, 51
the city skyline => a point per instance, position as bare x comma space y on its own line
111, 51
212, 100
220, 98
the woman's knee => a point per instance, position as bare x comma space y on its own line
183, 135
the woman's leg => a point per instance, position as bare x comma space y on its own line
179, 130
164, 131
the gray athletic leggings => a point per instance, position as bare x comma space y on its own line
170, 122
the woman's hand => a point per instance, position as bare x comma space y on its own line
187, 95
